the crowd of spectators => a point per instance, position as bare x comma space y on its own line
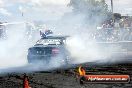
115, 30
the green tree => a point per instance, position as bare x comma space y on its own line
95, 10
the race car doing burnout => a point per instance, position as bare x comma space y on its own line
49, 48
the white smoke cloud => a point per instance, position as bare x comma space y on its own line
49, 10
13, 49
50, 2
2, 3
5, 12
39, 2
15, 53
80, 45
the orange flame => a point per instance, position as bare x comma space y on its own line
81, 71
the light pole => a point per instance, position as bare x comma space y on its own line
112, 6
22, 11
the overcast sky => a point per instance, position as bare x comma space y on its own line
33, 9
122, 6
49, 9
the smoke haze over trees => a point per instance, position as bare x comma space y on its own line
94, 10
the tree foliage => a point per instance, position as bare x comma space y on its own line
93, 9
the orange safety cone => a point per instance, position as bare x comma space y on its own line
25, 82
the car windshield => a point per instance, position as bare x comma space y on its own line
50, 41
